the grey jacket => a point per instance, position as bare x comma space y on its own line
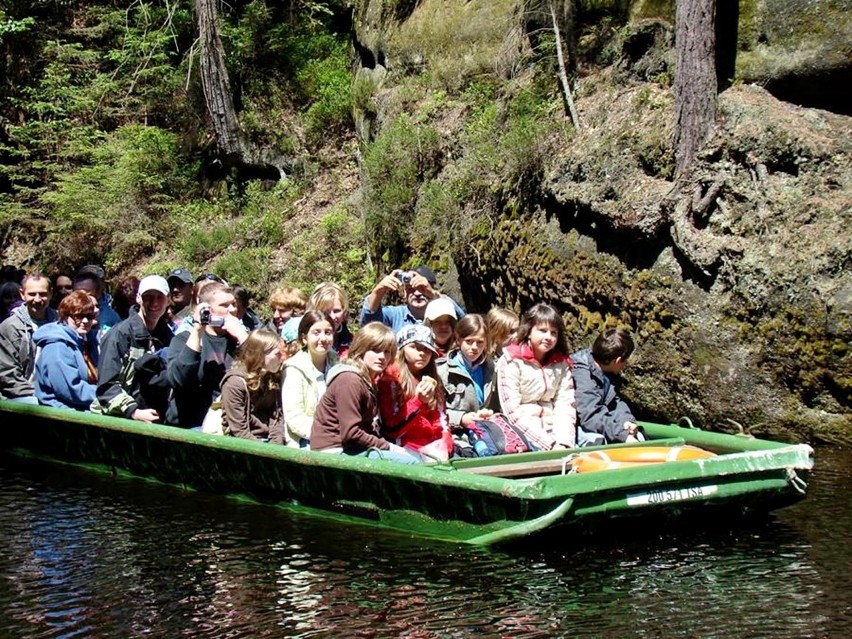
599, 409
460, 391
17, 353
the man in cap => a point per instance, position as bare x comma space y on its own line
417, 288
180, 286
121, 390
90, 278
17, 351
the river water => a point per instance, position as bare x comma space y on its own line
86, 555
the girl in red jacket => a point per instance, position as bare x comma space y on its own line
411, 398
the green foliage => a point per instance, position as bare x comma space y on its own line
327, 84
403, 156
249, 267
332, 251
115, 208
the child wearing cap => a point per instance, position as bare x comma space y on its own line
411, 397
441, 317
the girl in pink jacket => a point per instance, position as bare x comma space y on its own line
534, 380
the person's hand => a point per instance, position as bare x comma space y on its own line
631, 428
146, 415
630, 439
420, 283
390, 283
425, 390
235, 329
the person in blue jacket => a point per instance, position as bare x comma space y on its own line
66, 370
604, 418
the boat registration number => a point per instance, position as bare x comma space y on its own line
654, 497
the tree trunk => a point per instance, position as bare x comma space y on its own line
563, 74
695, 81
214, 80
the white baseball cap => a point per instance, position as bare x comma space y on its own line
439, 307
154, 283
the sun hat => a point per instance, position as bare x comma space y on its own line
439, 307
416, 334
154, 283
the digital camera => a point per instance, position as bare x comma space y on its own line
206, 318
405, 277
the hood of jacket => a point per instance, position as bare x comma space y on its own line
341, 368
23, 315
56, 332
525, 352
234, 371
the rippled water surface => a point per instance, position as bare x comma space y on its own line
85, 555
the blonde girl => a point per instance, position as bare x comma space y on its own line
502, 325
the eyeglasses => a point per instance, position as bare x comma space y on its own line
79, 317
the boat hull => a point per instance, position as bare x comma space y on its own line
480, 501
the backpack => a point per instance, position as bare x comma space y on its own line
497, 436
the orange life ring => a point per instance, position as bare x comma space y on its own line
633, 457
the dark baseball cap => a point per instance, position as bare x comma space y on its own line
92, 269
428, 273
181, 274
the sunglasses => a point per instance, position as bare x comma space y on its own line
209, 277
87, 316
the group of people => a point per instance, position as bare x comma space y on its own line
414, 383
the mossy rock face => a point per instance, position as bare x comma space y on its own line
755, 334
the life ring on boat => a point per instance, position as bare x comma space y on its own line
633, 457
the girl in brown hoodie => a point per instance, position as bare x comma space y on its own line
347, 417
251, 390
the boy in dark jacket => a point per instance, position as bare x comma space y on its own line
603, 416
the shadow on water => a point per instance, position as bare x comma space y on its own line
88, 555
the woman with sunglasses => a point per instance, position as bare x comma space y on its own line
66, 369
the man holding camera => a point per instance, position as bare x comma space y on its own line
201, 356
121, 389
417, 288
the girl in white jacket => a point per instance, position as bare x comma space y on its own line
534, 380
304, 379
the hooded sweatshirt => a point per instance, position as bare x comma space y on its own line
250, 415
347, 415
538, 397
61, 375
17, 352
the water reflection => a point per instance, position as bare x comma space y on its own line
92, 556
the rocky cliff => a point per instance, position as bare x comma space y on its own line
735, 279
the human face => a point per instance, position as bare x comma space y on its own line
280, 315
376, 361
473, 346
181, 292
336, 313
416, 301
82, 323
36, 293
273, 359
319, 338
223, 304
153, 304
64, 285
417, 357
443, 329
90, 285
543, 339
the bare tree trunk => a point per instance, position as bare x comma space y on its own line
695, 81
563, 74
214, 80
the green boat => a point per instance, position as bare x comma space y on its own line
477, 501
